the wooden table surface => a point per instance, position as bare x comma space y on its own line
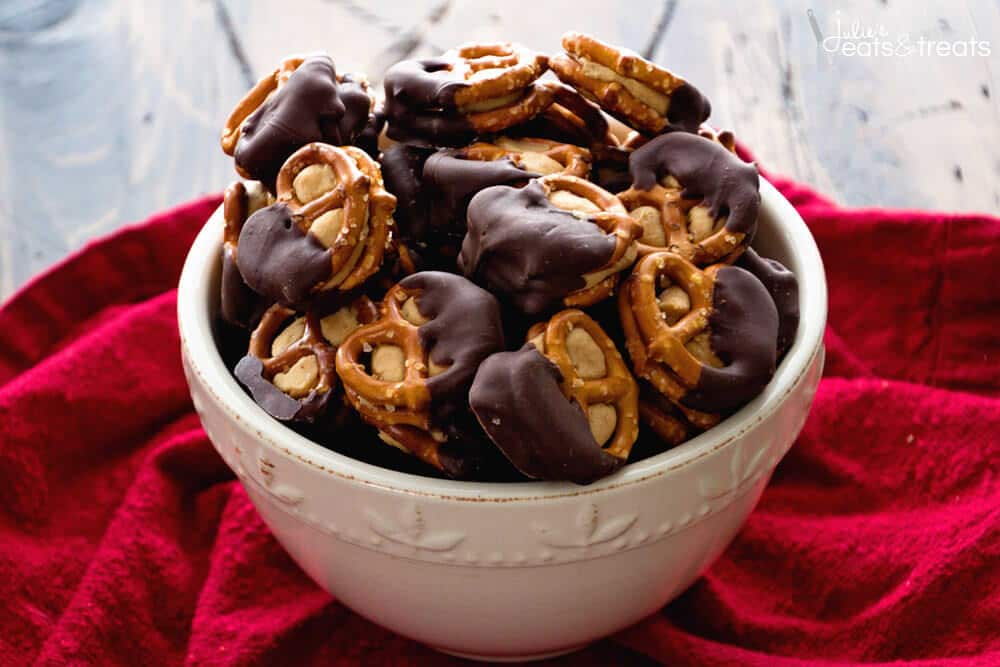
111, 109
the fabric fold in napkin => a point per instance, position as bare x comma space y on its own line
125, 540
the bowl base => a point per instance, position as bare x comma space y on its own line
511, 658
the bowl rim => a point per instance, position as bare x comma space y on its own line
194, 299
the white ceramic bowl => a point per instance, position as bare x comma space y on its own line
507, 571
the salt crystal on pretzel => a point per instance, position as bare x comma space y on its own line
704, 338
629, 87
529, 244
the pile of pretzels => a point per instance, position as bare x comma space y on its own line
501, 273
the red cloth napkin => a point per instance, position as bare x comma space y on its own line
125, 540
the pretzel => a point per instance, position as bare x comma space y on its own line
539, 156
474, 89
706, 198
238, 304
628, 86
290, 364
594, 204
390, 390
660, 328
594, 376
391, 387
253, 99
338, 197
681, 226
240, 201
705, 338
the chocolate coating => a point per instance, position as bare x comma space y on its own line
239, 304
523, 247
464, 329
744, 333
278, 404
278, 260
420, 101
784, 289
707, 171
688, 108
427, 84
517, 400
402, 170
431, 127
311, 106
452, 181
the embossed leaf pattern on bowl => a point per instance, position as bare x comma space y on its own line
410, 529
587, 529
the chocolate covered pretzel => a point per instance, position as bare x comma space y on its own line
290, 365
302, 101
705, 339
473, 90
328, 230
784, 289
694, 197
564, 407
629, 87
239, 304
408, 373
529, 243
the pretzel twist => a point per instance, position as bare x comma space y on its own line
388, 402
669, 223
347, 182
253, 99
310, 342
555, 157
611, 384
658, 349
493, 70
613, 219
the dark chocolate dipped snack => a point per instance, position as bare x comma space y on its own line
784, 289
518, 400
300, 102
327, 231
629, 87
594, 376
240, 305
409, 372
705, 339
290, 367
472, 90
559, 240
717, 192
452, 176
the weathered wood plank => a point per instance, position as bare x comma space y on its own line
109, 111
